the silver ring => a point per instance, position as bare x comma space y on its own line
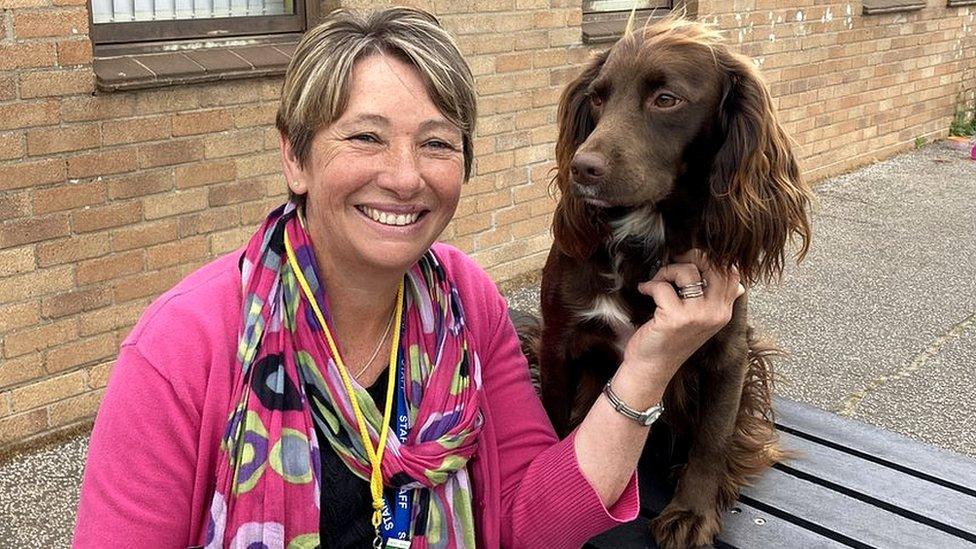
693, 290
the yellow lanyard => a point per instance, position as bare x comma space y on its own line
375, 454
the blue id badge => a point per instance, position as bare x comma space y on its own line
396, 514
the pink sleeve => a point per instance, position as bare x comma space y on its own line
546, 500
139, 476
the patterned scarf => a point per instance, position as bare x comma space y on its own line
268, 471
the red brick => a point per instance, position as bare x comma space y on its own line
69, 138
35, 229
25, 56
110, 318
170, 99
15, 4
141, 236
8, 88
234, 143
63, 22
136, 130
49, 390
98, 375
74, 52
103, 162
110, 267
67, 197
80, 352
12, 145
170, 152
165, 205
174, 253
107, 216
38, 338
140, 184
16, 427
236, 192
75, 409
98, 107
14, 205
209, 220
75, 301
259, 164
24, 114
53, 83
15, 371
247, 116
200, 122
205, 173
33, 284
70, 250
226, 241
147, 284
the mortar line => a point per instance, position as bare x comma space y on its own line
852, 401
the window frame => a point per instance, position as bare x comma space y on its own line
133, 32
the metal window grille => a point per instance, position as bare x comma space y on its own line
125, 11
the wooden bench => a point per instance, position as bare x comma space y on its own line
853, 485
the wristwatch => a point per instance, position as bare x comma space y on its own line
645, 418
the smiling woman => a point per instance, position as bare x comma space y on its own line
253, 404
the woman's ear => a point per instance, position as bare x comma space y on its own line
294, 173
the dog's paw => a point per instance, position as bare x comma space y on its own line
678, 527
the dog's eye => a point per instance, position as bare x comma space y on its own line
666, 101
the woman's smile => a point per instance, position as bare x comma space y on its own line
393, 216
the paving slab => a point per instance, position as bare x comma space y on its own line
880, 321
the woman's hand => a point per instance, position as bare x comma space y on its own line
681, 325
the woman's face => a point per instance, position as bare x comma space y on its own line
383, 180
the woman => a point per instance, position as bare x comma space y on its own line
254, 402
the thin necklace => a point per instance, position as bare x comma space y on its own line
379, 344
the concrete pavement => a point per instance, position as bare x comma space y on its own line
880, 321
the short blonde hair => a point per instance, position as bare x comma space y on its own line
316, 88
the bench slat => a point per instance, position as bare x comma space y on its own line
854, 522
955, 471
740, 530
930, 501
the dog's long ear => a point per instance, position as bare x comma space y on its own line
576, 227
758, 200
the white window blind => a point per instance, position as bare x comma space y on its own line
122, 11
623, 5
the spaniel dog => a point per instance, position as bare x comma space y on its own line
669, 141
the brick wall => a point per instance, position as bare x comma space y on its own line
853, 89
107, 200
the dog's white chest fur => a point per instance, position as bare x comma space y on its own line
609, 309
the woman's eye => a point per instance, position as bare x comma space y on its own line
365, 138
666, 101
440, 144
596, 100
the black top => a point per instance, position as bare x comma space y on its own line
345, 499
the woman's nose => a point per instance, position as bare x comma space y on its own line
402, 176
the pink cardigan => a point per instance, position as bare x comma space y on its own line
150, 472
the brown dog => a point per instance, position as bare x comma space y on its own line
669, 141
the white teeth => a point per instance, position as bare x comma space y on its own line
397, 220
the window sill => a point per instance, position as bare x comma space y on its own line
875, 7
599, 28
124, 68
961, 3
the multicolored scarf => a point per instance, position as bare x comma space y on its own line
268, 473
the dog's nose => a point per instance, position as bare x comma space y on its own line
588, 168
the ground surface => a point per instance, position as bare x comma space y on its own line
880, 321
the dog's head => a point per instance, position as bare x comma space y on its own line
669, 117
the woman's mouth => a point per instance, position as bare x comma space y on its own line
392, 219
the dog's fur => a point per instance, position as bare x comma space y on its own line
642, 178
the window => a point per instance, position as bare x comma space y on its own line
874, 7
153, 43
605, 20
118, 21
